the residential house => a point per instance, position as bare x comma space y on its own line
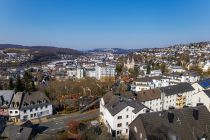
175, 124
5, 99
118, 112
29, 105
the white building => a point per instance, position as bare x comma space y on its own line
30, 105
176, 69
118, 112
176, 96
105, 72
146, 83
206, 66
202, 97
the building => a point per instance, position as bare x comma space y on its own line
202, 85
29, 105
118, 112
176, 69
176, 96
176, 124
202, 97
146, 83
16, 132
129, 65
105, 72
5, 99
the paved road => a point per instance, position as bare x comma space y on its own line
60, 123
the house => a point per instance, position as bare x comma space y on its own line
190, 77
104, 72
29, 105
16, 132
202, 97
146, 83
202, 85
175, 68
206, 66
176, 96
118, 112
5, 99
175, 124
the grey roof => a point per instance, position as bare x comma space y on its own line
34, 99
118, 103
176, 89
17, 98
207, 92
184, 125
6, 97
14, 132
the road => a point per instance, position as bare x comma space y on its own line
60, 123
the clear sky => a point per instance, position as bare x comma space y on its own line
85, 24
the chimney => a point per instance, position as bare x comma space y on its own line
170, 117
21, 129
196, 114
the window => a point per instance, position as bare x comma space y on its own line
34, 114
127, 109
46, 106
127, 123
31, 110
31, 115
41, 107
119, 124
127, 116
16, 112
119, 117
36, 108
10, 112
24, 111
126, 130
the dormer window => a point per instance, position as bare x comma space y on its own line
17, 104
32, 102
39, 102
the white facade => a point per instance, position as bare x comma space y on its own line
118, 125
105, 72
201, 97
36, 112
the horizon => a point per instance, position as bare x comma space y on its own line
85, 25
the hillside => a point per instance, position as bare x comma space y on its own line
42, 53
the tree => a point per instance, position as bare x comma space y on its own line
148, 69
11, 84
118, 68
19, 86
163, 68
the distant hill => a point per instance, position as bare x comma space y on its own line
44, 53
112, 50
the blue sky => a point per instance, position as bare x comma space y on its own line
85, 24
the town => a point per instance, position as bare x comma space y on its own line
139, 94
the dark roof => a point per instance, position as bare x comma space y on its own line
149, 79
176, 89
207, 92
147, 95
34, 99
14, 132
205, 83
6, 97
184, 125
118, 103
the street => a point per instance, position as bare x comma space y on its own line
61, 123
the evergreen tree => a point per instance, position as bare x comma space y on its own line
19, 86
148, 69
11, 84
